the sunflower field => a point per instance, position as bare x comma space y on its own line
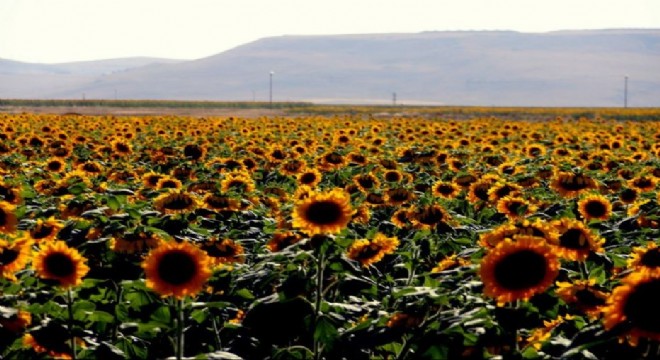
346, 236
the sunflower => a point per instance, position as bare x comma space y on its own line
45, 230
368, 252
361, 215
366, 182
395, 176
515, 207
583, 295
150, 179
9, 193
237, 181
323, 213
55, 165
173, 202
501, 273
502, 189
176, 269
194, 152
8, 220
282, 240
121, 147
576, 241
131, 243
168, 182
450, 262
220, 202
642, 183
14, 256
595, 206
568, 184
398, 196
632, 308
309, 177
645, 257
428, 216
292, 167
56, 261
224, 251
400, 218
628, 195
447, 190
17, 322
478, 191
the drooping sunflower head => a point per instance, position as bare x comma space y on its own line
14, 256
240, 182
428, 216
323, 213
176, 269
282, 240
400, 218
449, 263
398, 196
502, 274
174, 202
569, 185
135, 242
583, 295
645, 257
595, 206
8, 220
633, 307
45, 230
368, 252
225, 251
576, 241
56, 261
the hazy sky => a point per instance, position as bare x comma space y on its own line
69, 30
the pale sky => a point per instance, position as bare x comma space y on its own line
51, 31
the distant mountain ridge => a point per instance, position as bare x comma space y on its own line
501, 68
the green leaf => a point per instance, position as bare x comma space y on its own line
112, 202
162, 315
325, 331
245, 294
102, 316
199, 315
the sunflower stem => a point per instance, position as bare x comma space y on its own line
319, 298
69, 306
179, 329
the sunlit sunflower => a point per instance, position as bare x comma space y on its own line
537, 228
131, 243
56, 261
595, 206
576, 241
45, 230
643, 183
222, 252
121, 147
449, 263
176, 269
368, 251
361, 215
398, 196
55, 165
8, 220
220, 202
174, 202
628, 195
90, 168
309, 177
14, 256
445, 189
150, 179
515, 207
428, 216
323, 213
502, 271
292, 167
645, 257
583, 295
633, 309
282, 240
502, 189
400, 218
478, 191
51, 340
366, 182
168, 182
240, 182
568, 184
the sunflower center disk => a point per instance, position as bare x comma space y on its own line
59, 265
176, 268
7, 256
178, 203
323, 212
651, 258
521, 270
573, 239
641, 307
595, 209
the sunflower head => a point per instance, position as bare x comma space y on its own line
174, 202
176, 269
371, 251
576, 241
58, 262
14, 256
323, 213
595, 207
8, 220
501, 272
632, 308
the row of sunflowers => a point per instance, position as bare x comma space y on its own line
339, 236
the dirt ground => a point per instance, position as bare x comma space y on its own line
139, 111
